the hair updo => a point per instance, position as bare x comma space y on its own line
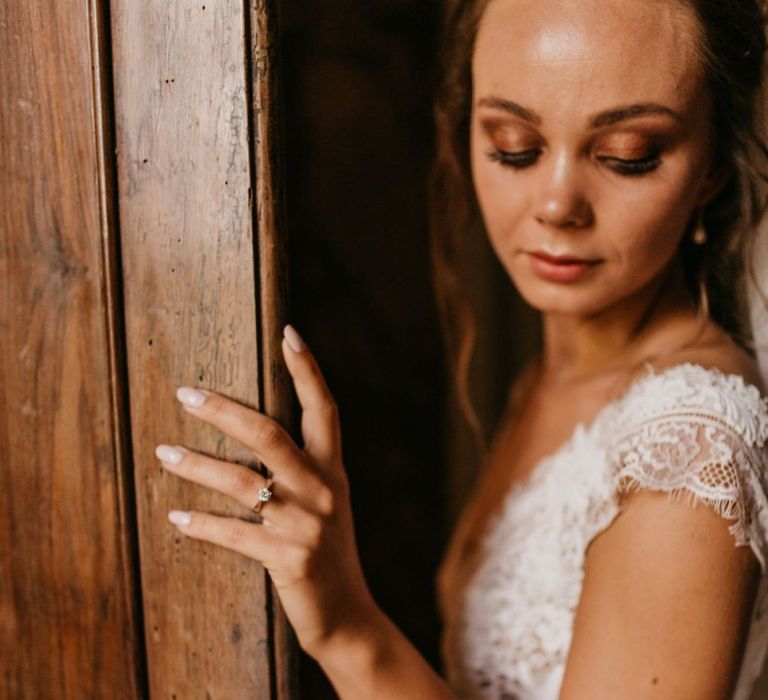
732, 47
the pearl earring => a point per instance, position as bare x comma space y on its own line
699, 233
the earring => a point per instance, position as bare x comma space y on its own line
699, 233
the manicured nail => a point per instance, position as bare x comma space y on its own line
179, 517
293, 338
166, 453
190, 397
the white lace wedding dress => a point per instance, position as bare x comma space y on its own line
685, 429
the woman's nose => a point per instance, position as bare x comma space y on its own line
563, 201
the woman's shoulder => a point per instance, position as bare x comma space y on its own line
722, 356
714, 390
697, 423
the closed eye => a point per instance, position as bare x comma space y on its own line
623, 166
633, 166
516, 159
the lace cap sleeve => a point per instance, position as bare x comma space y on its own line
697, 431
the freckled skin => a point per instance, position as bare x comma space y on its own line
567, 61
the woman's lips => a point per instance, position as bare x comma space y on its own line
561, 268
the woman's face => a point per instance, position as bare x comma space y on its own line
589, 139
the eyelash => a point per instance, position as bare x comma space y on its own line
627, 167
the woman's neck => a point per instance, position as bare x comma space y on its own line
578, 348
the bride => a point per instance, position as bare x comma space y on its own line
615, 543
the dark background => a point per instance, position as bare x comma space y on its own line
357, 89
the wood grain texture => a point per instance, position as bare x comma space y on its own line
192, 253
267, 156
68, 616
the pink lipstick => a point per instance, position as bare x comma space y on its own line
561, 268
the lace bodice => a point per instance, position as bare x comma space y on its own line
687, 430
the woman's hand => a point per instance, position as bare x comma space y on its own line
306, 537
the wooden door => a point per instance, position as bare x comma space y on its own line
141, 249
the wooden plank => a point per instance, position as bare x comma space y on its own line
68, 621
268, 156
191, 294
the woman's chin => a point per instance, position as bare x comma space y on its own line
554, 298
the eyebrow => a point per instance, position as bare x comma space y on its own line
606, 118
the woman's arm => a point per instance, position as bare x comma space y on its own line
665, 605
378, 662
306, 537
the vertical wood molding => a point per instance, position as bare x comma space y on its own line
268, 167
103, 116
68, 617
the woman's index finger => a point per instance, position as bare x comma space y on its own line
320, 418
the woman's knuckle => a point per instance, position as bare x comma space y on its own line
243, 481
329, 408
267, 434
216, 406
198, 523
237, 533
314, 531
189, 462
325, 498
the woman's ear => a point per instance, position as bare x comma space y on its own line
719, 174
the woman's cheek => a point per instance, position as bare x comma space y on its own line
491, 189
501, 211
645, 255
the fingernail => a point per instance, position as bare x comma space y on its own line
166, 453
293, 338
179, 517
190, 397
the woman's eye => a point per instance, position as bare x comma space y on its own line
516, 159
635, 166
623, 166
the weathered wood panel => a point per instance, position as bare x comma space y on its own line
68, 620
193, 300
265, 79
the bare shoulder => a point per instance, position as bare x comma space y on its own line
716, 349
665, 586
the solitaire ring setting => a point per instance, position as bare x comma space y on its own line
263, 495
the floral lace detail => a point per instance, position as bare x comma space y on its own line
686, 429
700, 433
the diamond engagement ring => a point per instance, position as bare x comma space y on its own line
263, 495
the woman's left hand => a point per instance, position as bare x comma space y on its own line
306, 538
